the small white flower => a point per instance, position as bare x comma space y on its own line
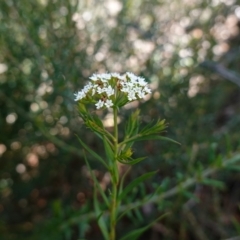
109, 91
116, 75
76, 97
141, 81
94, 77
147, 89
99, 104
100, 90
125, 87
131, 96
87, 88
108, 103
141, 94
130, 85
80, 95
132, 77
105, 77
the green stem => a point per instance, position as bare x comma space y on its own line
115, 179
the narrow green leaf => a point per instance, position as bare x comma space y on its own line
213, 183
99, 216
132, 124
218, 162
232, 160
148, 137
93, 153
122, 180
138, 215
129, 210
96, 182
101, 223
133, 235
233, 168
189, 195
153, 128
83, 228
163, 186
82, 109
108, 150
134, 183
94, 123
131, 161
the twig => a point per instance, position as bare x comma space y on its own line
222, 71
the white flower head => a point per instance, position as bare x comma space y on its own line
106, 88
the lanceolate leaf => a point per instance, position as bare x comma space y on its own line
99, 213
93, 153
134, 183
131, 161
133, 235
152, 128
108, 150
132, 124
94, 123
96, 183
101, 222
148, 137
213, 183
122, 180
234, 168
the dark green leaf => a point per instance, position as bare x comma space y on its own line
134, 183
131, 161
133, 235
99, 213
149, 137
96, 182
213, 183
93, 153
108, 150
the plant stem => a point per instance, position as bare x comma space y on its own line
115, 179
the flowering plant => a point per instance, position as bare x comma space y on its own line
112, 90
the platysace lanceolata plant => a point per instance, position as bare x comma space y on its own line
112, 90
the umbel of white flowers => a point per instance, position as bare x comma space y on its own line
104, 89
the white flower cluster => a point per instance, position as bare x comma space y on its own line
108, 86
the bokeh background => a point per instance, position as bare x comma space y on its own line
188, 51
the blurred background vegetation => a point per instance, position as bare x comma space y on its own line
189, 51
